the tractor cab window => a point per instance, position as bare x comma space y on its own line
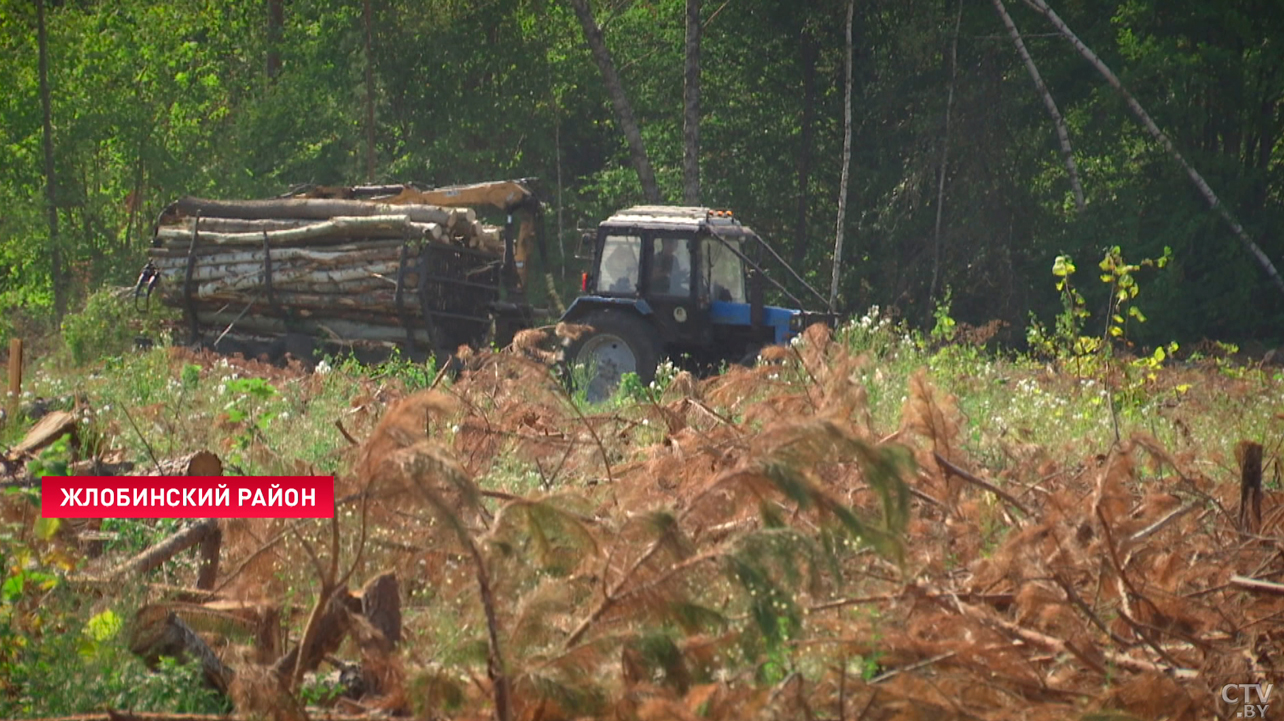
724, 277
670, 267
620, 255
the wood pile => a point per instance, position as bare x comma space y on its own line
377, 269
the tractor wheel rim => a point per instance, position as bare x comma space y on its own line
607, 357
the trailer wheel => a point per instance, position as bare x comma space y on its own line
618, 343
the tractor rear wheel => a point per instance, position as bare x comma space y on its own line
618, 343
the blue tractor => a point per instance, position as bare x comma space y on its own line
677, 282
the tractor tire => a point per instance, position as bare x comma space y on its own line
618, 343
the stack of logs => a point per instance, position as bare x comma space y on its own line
373, 270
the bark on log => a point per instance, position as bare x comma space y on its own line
241, 225
161, 552
158, 632
331, 630
341, 329
338, 228
1249, 456
198, 463
210, 550
318, 209
304, 280
53, 426
381, 605
213, 266
375, 300
176, 252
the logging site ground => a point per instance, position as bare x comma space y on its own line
871, 524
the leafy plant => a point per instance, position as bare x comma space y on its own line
1118, 274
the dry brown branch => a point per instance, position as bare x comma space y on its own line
973, 479
912, 667
1256, 584
1056, 645
313, 715
161, 552
1113, 556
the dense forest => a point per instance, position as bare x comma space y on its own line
984, 142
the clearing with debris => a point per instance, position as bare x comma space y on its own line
861, 526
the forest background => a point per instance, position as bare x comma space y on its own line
958, 181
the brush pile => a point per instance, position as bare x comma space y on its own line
365, 265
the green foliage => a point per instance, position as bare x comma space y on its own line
414, 375
1118, 275
58, 657
52, 461
108, 325
943, 331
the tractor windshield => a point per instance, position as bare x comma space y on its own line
724, 276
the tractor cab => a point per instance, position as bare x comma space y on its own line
674, 281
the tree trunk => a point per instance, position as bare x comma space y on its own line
275, 25
1063, 135
620, 101
945, 154
847, 163
55, 250
809, 50
370, 118
691, 108
1163, 140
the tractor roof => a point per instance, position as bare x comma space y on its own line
672, 217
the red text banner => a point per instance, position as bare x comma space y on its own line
187, 497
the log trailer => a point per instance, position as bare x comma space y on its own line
363, 268
371, 268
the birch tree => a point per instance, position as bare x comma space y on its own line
1063, 135
619, 100
945, 153
847, 163
1213, 202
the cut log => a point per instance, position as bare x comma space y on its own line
331, 630
381, 605
198, 463
159, 632
175, 252
340, 328
1249, 456
210, 549
53, 426
239, 260
344, 281
240, 225
161, 552
338, 229
318, 209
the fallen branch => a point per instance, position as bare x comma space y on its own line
912, 667
1056, 645
974, 480
315, 714
161, 552
1254, 584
